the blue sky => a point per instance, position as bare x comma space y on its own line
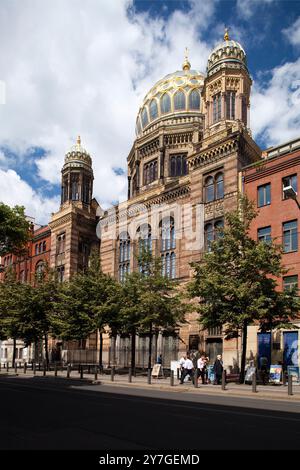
73, 67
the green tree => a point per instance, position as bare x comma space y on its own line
14, 229
150, 301
85, 304
236, 282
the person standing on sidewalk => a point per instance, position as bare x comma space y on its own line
218, 369
201, 368
181, 365
188, 370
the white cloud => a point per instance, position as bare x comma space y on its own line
275, 107
293, 33
15, 191
76, 67
247, 8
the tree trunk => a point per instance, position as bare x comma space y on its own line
244, 350
101, 350
14, 352
150, 347
46, 351
133, 351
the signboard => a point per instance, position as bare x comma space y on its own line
210, 374
294, 372
249, 374
275, 373
157, 370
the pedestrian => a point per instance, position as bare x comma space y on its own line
181, 365
188, 370
264, 369
159, 359
201, 368
218, 369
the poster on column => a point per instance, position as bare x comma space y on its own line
275, 373
294, 372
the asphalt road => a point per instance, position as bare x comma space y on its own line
47, 413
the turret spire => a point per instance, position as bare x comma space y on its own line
186, 65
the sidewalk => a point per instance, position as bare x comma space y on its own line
273, 392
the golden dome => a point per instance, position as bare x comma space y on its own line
77, 155
178, 93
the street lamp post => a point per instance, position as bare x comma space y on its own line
290, 193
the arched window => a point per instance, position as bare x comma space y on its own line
138, 125
209, 189
165, 103
23, 276
44, 246
150, 172
41, 248
230, 105
153, 110
178, 165
36, 249
124, 255
194, 100
217, 107
212, 231
219, 181
144, 117
75, 187
145, 239
208, 236
39, 269
168, 243
179, 100
60, 243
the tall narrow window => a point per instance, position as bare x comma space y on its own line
60, 273
217, 107
60, 243
153, 110
264, 195
244, 110
145, 244
165, 103
179, 101
194, 100
124, 255
144, 117
230, 105
150, 172
219, 185
209, 189
178, 165
168, 244
75, 187
290, 236
212, 231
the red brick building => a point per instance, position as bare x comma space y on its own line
26, 267
265, 182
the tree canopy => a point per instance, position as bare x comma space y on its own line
235, 281
14, 229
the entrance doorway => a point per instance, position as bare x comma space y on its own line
214, 347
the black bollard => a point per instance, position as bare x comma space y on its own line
112, 374
284, 378
44, 369
7, 366
81, 372
68, 371
25, 367
172, 378
130, 375
178, 373
149, 376
290, 384
34, 369
196, 379
96, 372
224, 380
55, 370
16, 368
254, 382
39, 366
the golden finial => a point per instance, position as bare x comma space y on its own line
78, 140
186, 65
226, 35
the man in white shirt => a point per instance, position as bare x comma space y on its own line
181, 365
188, 369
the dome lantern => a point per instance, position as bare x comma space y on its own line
228, 51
